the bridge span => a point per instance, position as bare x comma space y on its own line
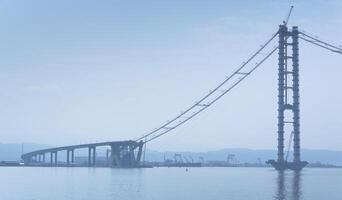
128, 153
121, 154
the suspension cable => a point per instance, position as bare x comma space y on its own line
205, 101
320, 43
214, 100
200, 102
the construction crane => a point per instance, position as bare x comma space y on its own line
288, 16
289, 147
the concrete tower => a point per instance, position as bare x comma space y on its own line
288, 84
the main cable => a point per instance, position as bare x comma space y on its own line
320, 43
165, 128
216, 99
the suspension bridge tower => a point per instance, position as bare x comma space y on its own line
288, 99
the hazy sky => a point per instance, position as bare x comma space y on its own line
87, 71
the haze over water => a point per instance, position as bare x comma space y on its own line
85, 71
76, 72
169, 184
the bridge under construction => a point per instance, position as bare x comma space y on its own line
129, 153
122, 154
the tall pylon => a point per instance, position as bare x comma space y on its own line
288, 83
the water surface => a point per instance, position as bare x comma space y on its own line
42, 183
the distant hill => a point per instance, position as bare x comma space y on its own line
13, 152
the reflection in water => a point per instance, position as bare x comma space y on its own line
281, 195
296, 186
293, 183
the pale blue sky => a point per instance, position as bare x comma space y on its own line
86, 71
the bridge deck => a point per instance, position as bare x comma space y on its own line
80, 146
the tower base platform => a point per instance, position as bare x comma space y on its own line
296, 166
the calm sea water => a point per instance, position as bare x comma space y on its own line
168, 184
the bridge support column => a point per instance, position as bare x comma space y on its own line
131, 155
124, 155
89, 156
43, 157
73, 156
94, 156
107, 157
115, 156
296, 109
51, 158
56, 159
281, 94
68, 157
140, 150
285, 73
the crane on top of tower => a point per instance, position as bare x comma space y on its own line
288, 16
